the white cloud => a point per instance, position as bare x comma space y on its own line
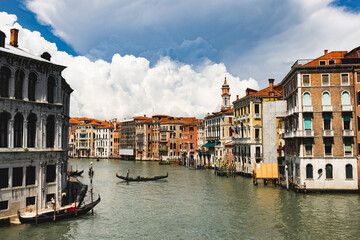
253, 38
128, 86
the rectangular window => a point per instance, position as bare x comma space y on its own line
30, 175
325, 80
4, 177
49, 197
257, 110
308, 149
348, 148
346, 122
327, 123
306, 80
307, 123
4, 205
331, 62
358, 77
17, 177
257, 133
345, 79
328, 149
322, 62
30, 201
50, 173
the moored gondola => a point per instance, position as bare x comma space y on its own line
75, 173
61, 213
142, 179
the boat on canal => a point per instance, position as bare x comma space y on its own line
141, 179
52, 215
75, 173
164, 162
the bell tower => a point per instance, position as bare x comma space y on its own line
225, 96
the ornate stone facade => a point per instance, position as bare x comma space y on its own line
34, 124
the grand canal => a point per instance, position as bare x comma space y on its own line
196, 204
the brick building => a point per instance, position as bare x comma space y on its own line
320, 124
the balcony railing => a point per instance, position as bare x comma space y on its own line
257, 115
348, 132
328, 133
308, 133
327, 108
307, 108
241, 140
346, 107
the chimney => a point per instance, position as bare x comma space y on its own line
2, 39
14, 37
325, 51
237, 97
46, 56
144, 115
271, 86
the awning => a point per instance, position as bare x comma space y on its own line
281, 148
210, 144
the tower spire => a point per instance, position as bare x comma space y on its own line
225, 96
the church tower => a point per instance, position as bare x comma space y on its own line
225, 96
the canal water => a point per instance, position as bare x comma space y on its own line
196, 204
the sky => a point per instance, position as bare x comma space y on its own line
127, 58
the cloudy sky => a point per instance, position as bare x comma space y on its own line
127, 58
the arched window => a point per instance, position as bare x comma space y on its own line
349, 171
50, 90
19, 81
309, 171
326, 98
50, 131
18, 130
329, 171
174, 146
31, 130
5, 75
32, 86
345, 98
307, 99
4, 120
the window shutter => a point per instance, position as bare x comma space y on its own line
307, 123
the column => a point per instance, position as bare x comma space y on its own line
11, 133
26, 87
43, 132
25, 132
58, 90
12, 86
56, 134
38, 134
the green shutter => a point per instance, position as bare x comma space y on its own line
326, 117
308, 144
307, 123
328, 144
347, 147
346, 118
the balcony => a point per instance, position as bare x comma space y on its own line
348, 132
257, 115
326, 108
288, 135
308, 108
307, 133
346, 108
292, 110
257, 140
237, 141
328, 133
242, 117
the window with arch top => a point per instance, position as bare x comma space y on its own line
349, 171
345, 98
326, 100
329, 171
309, 171
306, 99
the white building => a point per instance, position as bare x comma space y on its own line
34, 123
104, 142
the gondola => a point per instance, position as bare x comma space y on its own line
164, 163
61, 213
142, 179
75, 173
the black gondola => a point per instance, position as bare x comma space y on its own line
142, 179
61, 213
75, 173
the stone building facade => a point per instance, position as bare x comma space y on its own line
34, 124
320, 139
